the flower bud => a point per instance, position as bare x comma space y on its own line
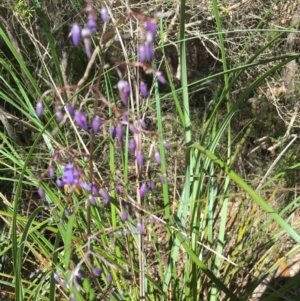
160, 77
124, 91
119, 132
96, 124
105, 196
76, 34
140, 228
59, 115
80, 119
104, 14
113, 132
132, 146
70, 109
56, 278
124, 216
166, 144
145, 52
92, 200
41, 192
143, 89
151, 29
39, 109
109, 278
97, 272
92, 24
139, 158
157, 157
151, 185
143, 190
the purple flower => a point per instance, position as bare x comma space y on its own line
143, 190
104, 14
160, 77
80, 119
72, 297
143, 124
139, 158
151, 185
97, 272
95, 190
140, 228
109, 278
105, 196
124, 216
124, 91
96, 124
157, 157
119, 132
76, 34
86, 186
166, 144
88, 47
71, 175
92, 200
143, 89
39, 109
56, 278
70, 109
132, 146
145, 52
151, 29
113, 132
133, 129
51, 172
41, 192
60, 183
59, 115
92, 24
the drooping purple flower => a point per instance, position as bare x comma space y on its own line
140, 158
105, 196
41, 192
80, 119
151, 29
140, 228
76, 34
72, 297
143, 190
109, 278
92, 24
143, 124
104, 14
113, 132
166, 144
119, 132
56, 278
133, 129
96, 123
160, 78
94, 190
157, 157
92, 200
39, 109
51, 172
71, 175
124, 216
124, 91
151, 185
86, 186
132, 146
146, 52
68, 211
70, 109
97, 271
143, 89
59, 115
